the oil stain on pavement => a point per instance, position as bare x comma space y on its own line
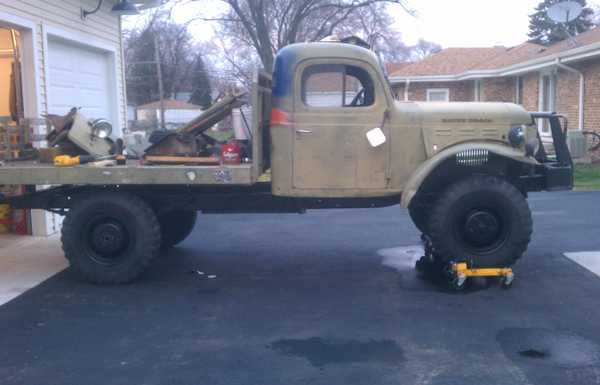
320, 352
558, 348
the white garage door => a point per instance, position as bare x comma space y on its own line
79, 77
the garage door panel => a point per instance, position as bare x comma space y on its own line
61, 95
89, 100
56, 54
93, 71
79, 77
87, 82
59, 82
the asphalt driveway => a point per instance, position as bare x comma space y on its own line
310, 299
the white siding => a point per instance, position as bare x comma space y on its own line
41, 21
53, 16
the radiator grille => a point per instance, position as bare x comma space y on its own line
475, 157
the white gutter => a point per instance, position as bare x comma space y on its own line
581, 89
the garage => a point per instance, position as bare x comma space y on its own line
80, 76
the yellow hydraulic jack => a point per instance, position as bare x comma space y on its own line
460, 272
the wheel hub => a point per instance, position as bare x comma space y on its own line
482, 228
108, 238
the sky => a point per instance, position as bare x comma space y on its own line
467, 23
450, 23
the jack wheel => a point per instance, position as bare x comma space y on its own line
458, 283
507, 281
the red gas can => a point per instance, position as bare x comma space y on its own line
231, 153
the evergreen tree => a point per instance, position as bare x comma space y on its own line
542, 30
201, 91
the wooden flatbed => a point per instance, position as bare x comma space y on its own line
135, 173
34, 173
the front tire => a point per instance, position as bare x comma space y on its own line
110, 238
482, 220
418, 211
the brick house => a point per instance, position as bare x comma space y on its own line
563, 77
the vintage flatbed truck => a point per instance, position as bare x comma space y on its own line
463, 170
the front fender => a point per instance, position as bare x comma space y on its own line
418, 176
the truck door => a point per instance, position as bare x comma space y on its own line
335, 105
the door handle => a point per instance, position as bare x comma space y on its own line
300, 131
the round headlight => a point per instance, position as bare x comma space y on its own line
101, 128
516, 136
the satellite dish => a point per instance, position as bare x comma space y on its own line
565, 12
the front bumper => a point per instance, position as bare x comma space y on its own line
553, 173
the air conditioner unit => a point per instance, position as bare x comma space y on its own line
577, 144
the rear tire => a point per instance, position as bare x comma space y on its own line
482, 220
110, 238
175, 226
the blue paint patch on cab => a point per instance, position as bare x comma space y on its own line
282, 73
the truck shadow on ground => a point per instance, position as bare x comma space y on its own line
210, 275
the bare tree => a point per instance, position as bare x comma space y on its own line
375, 25
268, 25
424, 48
181, 60
596, 14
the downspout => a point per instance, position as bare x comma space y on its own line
581, 88
406, 85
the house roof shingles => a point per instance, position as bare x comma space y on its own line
454, 61
397, 66
449, 61
511, 56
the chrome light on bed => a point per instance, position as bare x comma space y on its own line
101, 128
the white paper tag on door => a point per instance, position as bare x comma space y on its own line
376, 137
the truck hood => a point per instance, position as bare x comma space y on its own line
446, 124
472, 113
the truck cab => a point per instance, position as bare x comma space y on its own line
327, 96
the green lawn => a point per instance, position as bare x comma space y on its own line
220, 136
587, 177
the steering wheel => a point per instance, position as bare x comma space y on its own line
359, 98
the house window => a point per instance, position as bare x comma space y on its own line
478, 91
547, 99
519, 90
335, 85
438, 95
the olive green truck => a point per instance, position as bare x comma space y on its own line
463, 170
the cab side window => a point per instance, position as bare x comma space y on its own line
337, 85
